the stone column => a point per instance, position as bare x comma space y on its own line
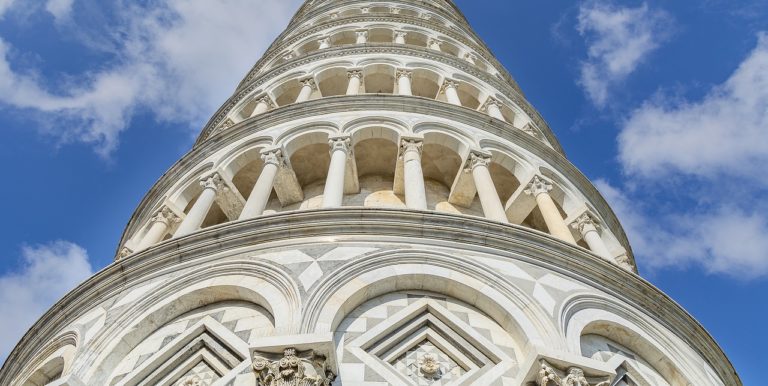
355, 80
262, 106
257, 201
493, 107
587, 226
486, 190
435, 44
451, 90
415, 193
324, 43
333, 194
400, 37
308, 86
362, 36
404, 82
211, 185
159, 225
539, 187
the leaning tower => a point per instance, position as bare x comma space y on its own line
376, 204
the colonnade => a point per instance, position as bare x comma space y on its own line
414, 190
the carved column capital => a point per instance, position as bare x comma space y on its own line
273, 157
538, 185
324, 41
585, 223
425, 16
165, 215
362, 33
477, 160
401, 34
212, 181
450, 83
492, 102
266, 100
293, 369
395, 10
365, 10
403, 72
341, 142
470, 57
435, 42
124, 252
309, 82
411, 144
355, 74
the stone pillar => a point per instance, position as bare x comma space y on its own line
588, 227
355, 80
400, 37
324, 43
262, 106
435, 44
211, 185
451, 90
333, 195
493, 107
257, 201
539, 188
308, 86
404, 82
159, 225
415, 193
362, 36
486, 190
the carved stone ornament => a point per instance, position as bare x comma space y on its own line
538, 185
430, 367
125, 252
165, 215
291, 370
549, 376
274, 157
476, 160
340, 143
191, 381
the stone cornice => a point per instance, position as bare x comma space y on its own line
416, 105
503, 87
446, 230
278, 49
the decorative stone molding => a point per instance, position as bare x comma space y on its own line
538, 185
291, 370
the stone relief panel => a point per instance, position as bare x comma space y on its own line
421, 338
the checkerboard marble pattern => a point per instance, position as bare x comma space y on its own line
200, 375
245, 320
368, 315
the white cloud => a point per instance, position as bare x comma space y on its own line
60, 9
179, 59
48, 273
725, 134
618, 40
4, 6
724, 240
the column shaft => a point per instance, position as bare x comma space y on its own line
587, 226
552, 217
259, 197
308, 86
495, 111
154, 235
400, 37
452, 93
404, 82
355, 80
362, 37
486, 190
261, 107
333, 194
202, 206
415, 192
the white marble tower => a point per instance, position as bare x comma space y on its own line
376, 204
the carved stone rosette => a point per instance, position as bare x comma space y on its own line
291, 370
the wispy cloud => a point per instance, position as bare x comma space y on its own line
178, 59
725, 134
712, 153
48, 273
618, 40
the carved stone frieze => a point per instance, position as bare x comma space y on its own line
572, 376
293, 370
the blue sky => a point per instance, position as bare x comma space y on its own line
664, 104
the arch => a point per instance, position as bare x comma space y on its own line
52, 362
242, 280
332, 81
392, 271
670, 356
308, 153
379, 78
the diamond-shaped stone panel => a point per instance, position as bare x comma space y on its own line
200, 375
412, 363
